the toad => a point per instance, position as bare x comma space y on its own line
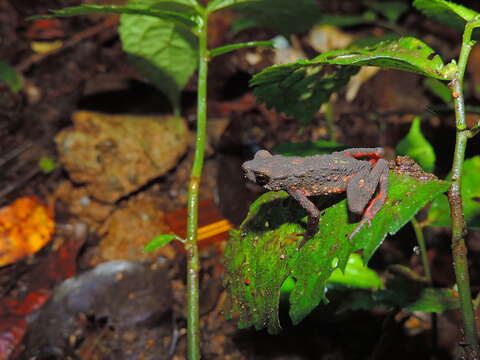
359, 172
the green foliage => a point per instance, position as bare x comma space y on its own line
284, 16
439, 213
47, 164
166, 54
10, 77
308, 148
298, 89
407, 54
439, 89
417, 147
403, 289
262, 253
391, 10
227, 48
446, 12
356, 274
159, 241
177, 17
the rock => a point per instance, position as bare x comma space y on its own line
120, 296
80, 203
114, 155
129, 229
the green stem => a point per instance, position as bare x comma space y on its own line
418, 228
459, 250
467, 45
193, 262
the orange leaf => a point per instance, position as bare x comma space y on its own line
26, 226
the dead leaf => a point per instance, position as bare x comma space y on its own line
26, 226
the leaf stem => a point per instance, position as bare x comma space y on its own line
193, 262
459, 249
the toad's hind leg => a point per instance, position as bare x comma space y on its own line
361, 188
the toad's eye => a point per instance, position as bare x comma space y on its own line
261, 179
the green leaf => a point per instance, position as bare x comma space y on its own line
262, 253
308, 148
392, 10
177, 17
227, 48
164, 53
299, 89
435, 300
369, 41
10, 77
47, 164
356, 274
407, 54
446, 12
417, 147
284, 16
159, 241
439, 89
439, 212
404, 289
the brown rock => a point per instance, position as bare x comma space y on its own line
114, 155
79, 202
129, 229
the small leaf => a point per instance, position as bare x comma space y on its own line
417, 147
392, 10
166, 54
439, 212
446, 12
284, 16
174, 16
158, 242
47, 164
263, 250
356, 274
10, 77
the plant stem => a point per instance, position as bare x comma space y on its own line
418, 228
459, 250
193, 262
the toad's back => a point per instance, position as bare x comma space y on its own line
314, 175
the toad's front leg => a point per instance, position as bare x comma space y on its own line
312, 211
